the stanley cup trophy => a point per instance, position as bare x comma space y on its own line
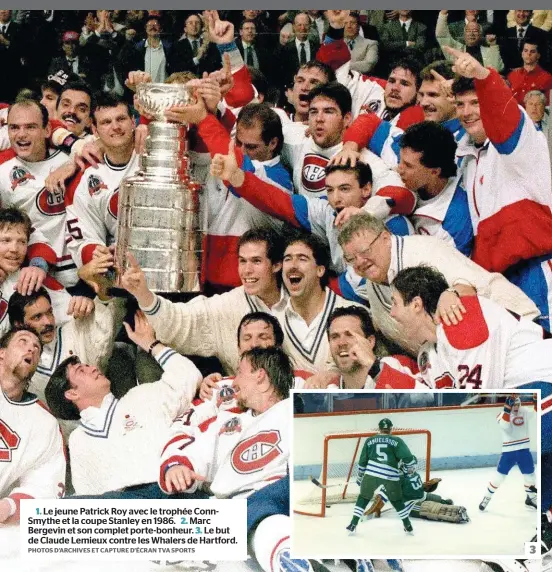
159, 220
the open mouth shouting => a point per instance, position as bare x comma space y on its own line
294, 280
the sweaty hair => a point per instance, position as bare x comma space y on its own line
462, 85
31, 103
324, 68
267, 118
410, 64
77, 86
273, 241
18, 303
55, 390
277, 366
182, 77
362, 172
442, 67
356, 312
320, 251
435, 143
7, 337
268, 319
106, 101
423, 281
13, 216
335, 92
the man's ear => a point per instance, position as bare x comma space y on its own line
276, 267
71, 394
372, 341
348, 118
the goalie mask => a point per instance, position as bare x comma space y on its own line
408, 470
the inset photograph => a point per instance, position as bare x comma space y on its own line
384, 474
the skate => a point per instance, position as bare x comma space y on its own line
351, 528
483, 504
530, 503
408, 529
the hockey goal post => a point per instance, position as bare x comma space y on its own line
341, 452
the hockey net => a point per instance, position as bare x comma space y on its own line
341, 452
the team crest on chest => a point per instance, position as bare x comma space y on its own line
423, 363
255, 453
130, 423
113, 206
231, 426
19, 176
50, 204
371, 107
313, 174
95, 184
225, 396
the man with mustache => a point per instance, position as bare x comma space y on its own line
89, 337
32, 448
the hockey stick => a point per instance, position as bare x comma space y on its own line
321, 486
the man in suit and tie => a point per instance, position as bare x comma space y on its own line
514, 40
252, 53
192, 53
155, 53
456, 29
11, 54
403, 37
300, 51
364, 52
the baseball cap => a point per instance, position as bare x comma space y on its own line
385, 424
70, 36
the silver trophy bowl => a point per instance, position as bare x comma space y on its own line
155, 98
159, 216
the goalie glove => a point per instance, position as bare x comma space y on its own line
431, 485
508, 404
378, 206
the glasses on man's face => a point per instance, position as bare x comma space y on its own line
363, 254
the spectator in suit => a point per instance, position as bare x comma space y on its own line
12, 52
73, 62
155, 52
513, 41
364, 52
541, 19
252, 53
456, 29
535, 105
403, 37
489, 55
299, 52
193, 52
530, 76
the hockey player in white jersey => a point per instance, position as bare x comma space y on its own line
22, 184
377, 257
516, 450
15, 230
89, 334
92, 197
490, 348
241, 454
31, 451
115, 449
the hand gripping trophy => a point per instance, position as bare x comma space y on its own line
159, 218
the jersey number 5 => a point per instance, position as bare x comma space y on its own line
382, 455
9, 441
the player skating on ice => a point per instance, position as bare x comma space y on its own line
379, 465
515, 451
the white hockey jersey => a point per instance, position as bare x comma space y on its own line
117, 445
490, 348
238, 453
22, 185
58, 294
515, 430
409, 251
92, 202
32, 459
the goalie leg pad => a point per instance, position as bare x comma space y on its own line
446, 513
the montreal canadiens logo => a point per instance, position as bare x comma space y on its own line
95, 185
518, 421
255, 453
50, 204
19, 176
113, 206
313, 175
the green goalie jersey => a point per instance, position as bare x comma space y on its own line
381, 455
412, 487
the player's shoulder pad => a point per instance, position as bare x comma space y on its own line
472, 331
410, 116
